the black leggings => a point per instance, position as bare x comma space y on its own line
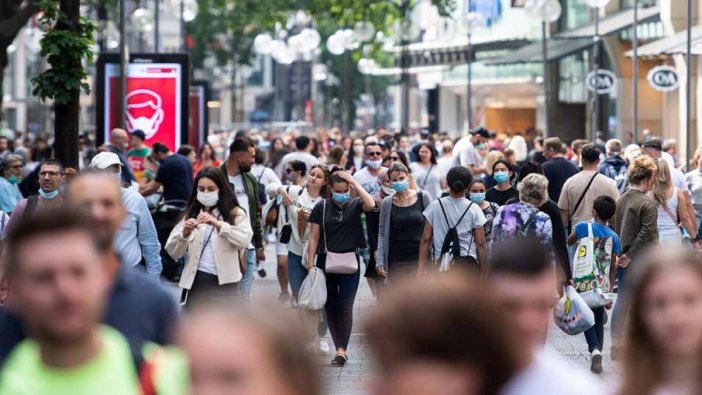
341, 294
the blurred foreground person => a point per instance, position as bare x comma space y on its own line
247, 352
137, 306
444, 338
522, 275
59, 288
663, 340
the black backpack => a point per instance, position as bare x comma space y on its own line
452, 243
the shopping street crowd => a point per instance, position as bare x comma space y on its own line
472, 248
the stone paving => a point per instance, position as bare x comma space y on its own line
353, 378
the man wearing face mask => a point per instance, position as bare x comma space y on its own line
237, 170
368, 176
465, 152
118, 145
10, 171
51, 176
136, 241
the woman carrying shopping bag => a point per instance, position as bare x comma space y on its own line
336, 234
214, 232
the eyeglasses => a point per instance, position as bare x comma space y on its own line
16, 167
49, 174
374, 154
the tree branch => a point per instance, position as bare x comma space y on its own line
9, 28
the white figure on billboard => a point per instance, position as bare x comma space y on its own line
147, 104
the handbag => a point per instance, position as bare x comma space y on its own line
591, 266
313, 292
337, 263
286, 230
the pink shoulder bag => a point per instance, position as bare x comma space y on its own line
337, 263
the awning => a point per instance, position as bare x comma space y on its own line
612, 23
533, 53
672, 45
453, 52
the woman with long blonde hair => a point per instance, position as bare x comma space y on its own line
663, 340
671, 204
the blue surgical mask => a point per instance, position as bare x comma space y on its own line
400, 186
48, 195
341, 198
501, 176
477, 197
13, 180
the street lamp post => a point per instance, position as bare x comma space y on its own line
596, 5
471, 22
635, 71
546, 11
688, 83
123, 60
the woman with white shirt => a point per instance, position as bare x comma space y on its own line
426, 172
214, 233
298, 202
671, 203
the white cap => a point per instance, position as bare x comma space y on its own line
103, 160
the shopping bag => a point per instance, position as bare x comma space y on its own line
572, 314
313, 293
591, 266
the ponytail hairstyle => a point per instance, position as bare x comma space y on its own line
459, 178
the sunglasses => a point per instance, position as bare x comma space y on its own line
394, 158
374, 154
289, 171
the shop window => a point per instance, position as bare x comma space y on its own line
572, 71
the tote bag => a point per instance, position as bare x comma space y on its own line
591, 265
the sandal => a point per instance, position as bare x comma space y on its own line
339, 360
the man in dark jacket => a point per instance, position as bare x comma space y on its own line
615, 166
237, 170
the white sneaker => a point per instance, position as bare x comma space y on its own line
323, 346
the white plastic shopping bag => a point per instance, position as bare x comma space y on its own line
313, 293
591, 266
572, 314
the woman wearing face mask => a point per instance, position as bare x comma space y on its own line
663, 352
503, 191
336, 235
214, 233
374, 278
476, 194
426, 172
401, 226
355, 160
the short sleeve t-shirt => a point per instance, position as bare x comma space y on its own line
136, 159
368, 181
465, 153
599, 231
344, 230
111, 372
455, 208
501, 197
428, 178
574, 188
176, 176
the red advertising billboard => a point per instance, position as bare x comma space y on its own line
198, 119
156, 99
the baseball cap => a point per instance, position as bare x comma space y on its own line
654, 144
482, 132
103, 160
140, 134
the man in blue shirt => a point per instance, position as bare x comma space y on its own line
604, 208
136, 240
10, 173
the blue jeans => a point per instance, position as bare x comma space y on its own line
247, 281
621, 306
296, 273
595, 335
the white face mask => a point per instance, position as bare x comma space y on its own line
374, 164
208, 199
148, 125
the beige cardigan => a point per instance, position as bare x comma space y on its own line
229, 248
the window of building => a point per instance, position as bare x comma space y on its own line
572, 71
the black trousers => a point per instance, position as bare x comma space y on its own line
206, 289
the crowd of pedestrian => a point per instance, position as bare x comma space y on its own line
467, 246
